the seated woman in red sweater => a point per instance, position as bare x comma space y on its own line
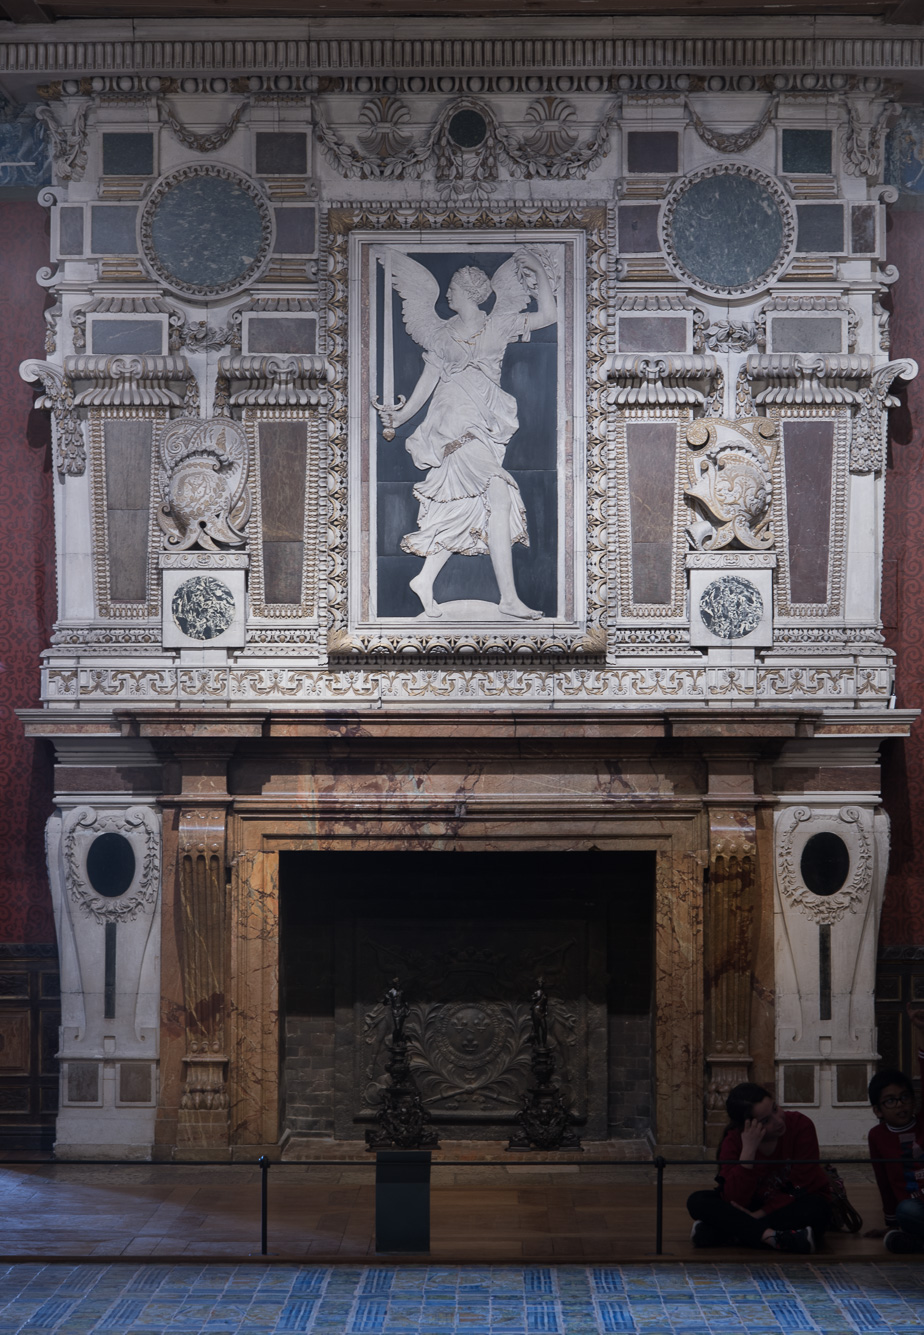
765, 1197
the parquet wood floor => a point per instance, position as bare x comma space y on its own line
511, 1215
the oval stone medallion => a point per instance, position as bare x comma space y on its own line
203, 607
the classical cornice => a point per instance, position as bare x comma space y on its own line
344, 46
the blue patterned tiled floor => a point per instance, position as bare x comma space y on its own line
671, 1299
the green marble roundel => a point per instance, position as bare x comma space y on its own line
728, 230
206, 230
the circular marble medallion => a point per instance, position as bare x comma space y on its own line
206, 230
728, 230
203, 607
731, 607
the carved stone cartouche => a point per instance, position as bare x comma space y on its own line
730, 486
207, 500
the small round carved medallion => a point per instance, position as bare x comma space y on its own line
203, 607
731, 607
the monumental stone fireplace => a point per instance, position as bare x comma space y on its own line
469, 461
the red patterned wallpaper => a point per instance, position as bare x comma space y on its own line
903, 591
27, 582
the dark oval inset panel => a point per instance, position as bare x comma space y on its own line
110, 865
825, 863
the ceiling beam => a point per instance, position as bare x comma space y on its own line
25, 11
906, 11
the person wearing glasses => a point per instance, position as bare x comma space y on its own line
899, 1138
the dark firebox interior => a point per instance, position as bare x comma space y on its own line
468, 934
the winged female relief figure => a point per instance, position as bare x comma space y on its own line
469, 503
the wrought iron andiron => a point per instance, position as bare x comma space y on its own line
545, 1122
402, 1118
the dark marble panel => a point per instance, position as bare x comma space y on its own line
70, 231
807, 151
128, 555
863, 229
282, 571
808, 448
651, 448
127, 336
638, 228
82, 1082
727, 230
112, 229
128, 154
652, 333
128, 464
128, 499
135, 1082
296, 231
207, 231
282, 153
283, 453
803, 334
654, 151
283, 449
821, 228
282, 333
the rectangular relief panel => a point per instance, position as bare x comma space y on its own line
283, 455
122, 449
468, 360
284, 528
812, 554
649, 514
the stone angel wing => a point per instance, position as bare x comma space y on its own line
419, 292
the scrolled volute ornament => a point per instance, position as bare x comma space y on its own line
206, 498
730, 471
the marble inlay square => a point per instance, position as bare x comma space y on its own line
128, 154
820, 228
281, 153
807, 151
112, 229
638, 228
654, 151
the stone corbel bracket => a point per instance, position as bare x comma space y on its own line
273, 382
131, 381
852, 380
793, 379
660, 381
58, 399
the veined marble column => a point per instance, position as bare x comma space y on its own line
203, 1112
730, 913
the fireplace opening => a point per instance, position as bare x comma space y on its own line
467, 934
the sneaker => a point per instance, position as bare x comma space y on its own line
798, 1241
703, 1235
896, 1240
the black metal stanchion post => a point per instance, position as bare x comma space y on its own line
660, 1164
264, 1190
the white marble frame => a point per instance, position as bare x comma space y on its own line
466, 243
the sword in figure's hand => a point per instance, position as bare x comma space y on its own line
387, 406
